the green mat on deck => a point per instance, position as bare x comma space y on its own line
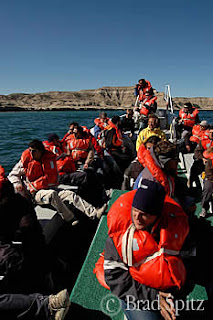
87, 292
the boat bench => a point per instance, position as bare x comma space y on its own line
89, 294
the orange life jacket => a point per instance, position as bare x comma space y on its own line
79, 148
40, 174
94, 142
189, 118
100, 123
153, 264
206, 143
143, 90
145, 109
146, 159
64, 162
198, 134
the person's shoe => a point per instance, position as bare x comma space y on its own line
101, 210
59, 304
61, 313
203, 213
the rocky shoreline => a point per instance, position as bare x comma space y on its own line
108, 98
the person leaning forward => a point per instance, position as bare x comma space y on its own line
141, 226
38, 168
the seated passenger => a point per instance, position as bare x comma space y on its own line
152, 130
38, 169
135, 167
140, 224
199, 132
100, 124
114, 143
24, 266
64, 161
188, 117
127, 122
80, 147
35, 306
160, 164
148, 104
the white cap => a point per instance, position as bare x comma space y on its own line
204, 123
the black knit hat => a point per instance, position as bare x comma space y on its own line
149, 198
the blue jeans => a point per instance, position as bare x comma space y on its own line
140, 314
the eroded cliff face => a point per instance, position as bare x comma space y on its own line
102, 98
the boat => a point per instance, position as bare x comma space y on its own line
88, 298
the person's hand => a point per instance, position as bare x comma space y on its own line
86, 166
167, 309
204, 161
19, 188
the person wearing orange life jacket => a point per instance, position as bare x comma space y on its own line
65, 163
160, 165
114, 143
148, 104
188, 117
39, 169
80, 147
141, 88
199, 131
139, 244
100, 124
69, 133
207, 183
97, 148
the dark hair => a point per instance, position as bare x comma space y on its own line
152, 116
37, 144
153, 139
130, 110
115, 119
166, 148
52, 136
188, 104
75, 124
102, 114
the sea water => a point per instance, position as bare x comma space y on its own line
17, 129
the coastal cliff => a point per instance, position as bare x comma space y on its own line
102, 98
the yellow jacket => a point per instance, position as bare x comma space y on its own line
147, 133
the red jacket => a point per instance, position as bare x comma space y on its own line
146, 159
40, 174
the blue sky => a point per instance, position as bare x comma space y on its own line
69, 45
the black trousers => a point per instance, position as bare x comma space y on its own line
207, 194
24, 307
